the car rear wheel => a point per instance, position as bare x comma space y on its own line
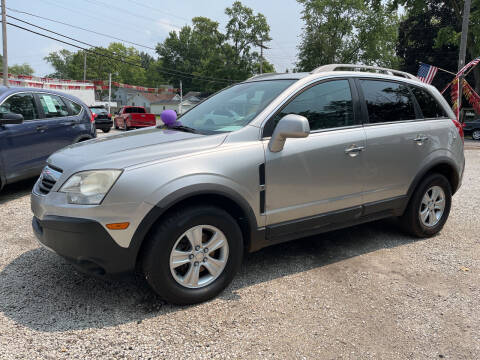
193, 255
476, 135
429, 207
106, 130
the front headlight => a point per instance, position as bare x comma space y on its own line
89, 187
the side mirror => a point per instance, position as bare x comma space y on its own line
290, 126
10, 118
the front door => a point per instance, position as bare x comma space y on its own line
320, 174
23, 147
61, 127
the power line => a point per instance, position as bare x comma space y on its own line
53, 32
124, 11
170, 72
158, 10
81, 28
175, 72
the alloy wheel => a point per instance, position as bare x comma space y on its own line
199, 256
432, 206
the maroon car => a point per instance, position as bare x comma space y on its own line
129, 117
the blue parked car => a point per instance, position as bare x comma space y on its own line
34, 123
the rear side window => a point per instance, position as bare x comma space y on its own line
131, 110
326, 105
53, 106
387, 101
23, 104
430, 107
74, 107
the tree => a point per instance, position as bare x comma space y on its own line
18, 69
447, 30
123, 62
23, 69
419, 32
204, 51
347, 31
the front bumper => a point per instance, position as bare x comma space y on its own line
103, 123
85, 243
79, 233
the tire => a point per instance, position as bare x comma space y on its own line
476, 135
169, 235
434, 222
106, 130
126, 128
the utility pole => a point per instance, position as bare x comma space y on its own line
181, 99
4, 36
261, 57
463, 50
261, 54
109, 91
85, 66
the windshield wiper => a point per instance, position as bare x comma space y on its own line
184, 128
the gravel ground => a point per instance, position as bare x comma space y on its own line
368, 292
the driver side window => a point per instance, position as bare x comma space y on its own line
23, 104
326, 105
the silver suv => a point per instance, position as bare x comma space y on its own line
275, 158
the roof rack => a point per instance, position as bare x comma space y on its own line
364, 68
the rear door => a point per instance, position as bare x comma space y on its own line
398, 139
23, 147
62, 125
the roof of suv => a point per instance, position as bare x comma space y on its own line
339, 69
14, 89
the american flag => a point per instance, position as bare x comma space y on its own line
426, 73
474, 62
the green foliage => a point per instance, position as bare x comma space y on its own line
430, 32
203, 50
347, 31
17, 69
69, 65
23, 69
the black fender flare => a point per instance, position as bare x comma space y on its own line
189, 192
427, 168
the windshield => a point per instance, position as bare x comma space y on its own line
134, 110
234, 107
98, 110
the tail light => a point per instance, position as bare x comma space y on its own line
459, 128
109, 116
92, 117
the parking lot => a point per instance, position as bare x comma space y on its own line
364, 292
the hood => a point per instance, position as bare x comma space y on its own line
131, 148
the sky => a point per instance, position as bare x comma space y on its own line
145, 22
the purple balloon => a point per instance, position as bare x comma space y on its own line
168, 117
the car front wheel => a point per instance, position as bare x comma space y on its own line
476, 135
193, 254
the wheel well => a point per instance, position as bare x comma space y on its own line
223, 202
448, 171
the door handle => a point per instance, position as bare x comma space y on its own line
41, 128
68, 123
354, 150
420, 139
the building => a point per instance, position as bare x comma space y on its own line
172, 102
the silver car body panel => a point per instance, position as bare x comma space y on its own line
309, 176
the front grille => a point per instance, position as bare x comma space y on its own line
48, 179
